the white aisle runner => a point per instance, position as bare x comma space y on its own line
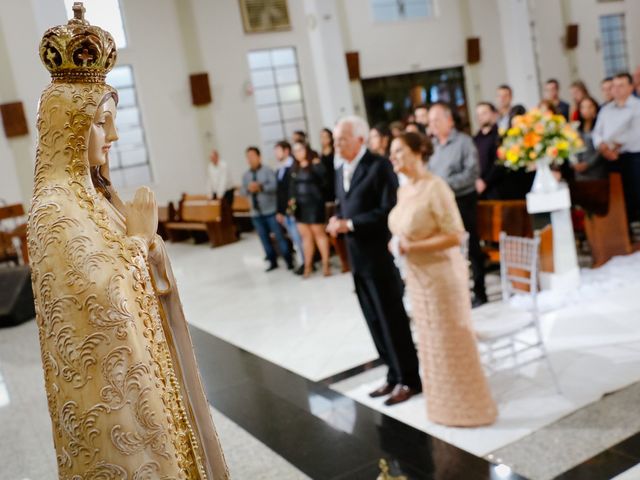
593, 336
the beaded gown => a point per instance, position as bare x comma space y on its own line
455, 386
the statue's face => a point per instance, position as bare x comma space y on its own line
103, 132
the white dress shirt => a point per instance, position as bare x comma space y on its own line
218, 178
349, 168
284, 165
619, 124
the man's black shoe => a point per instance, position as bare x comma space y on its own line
272, 267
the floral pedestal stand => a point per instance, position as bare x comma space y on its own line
549, 196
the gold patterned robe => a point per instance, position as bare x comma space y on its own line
123, 389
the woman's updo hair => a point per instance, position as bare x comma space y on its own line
418, 143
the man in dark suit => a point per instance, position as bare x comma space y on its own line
365, 192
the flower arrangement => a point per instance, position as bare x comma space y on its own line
537, 135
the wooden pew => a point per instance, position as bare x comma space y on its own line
242, 213
606, 224
7, 249
495, 216
165, 215
202, 218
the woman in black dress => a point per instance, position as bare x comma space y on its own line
307, 202
327, 155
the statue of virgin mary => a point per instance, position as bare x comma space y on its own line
123, 389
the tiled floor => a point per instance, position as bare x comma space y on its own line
269, 346
26, 445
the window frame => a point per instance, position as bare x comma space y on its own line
612, 38
120, 169
269, 143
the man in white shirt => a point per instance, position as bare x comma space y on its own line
617, 136
219, 179
504, 97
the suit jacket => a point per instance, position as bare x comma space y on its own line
283, 191
371, 196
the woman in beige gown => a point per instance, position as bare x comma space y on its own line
124, 393
427, 221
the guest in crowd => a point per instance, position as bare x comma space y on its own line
430, 230
636, 81
219, 181
617, 137
260, 184
456, 161
366, 191
591, 165
487, 141
548, 106
421, 113
307, 202
552, 94
396, 128
504, 97
515, 111
380, 140
606, 89
579, 92
415, 128
286, 161
299, 136
327, 158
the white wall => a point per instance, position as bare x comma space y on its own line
588, 54
391, 48
164, 49
162, 82
225, 47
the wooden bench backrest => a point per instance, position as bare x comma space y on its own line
510, 216
241, 203
200, 211
11, 211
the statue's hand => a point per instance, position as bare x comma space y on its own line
142, 215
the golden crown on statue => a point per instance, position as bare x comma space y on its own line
78, 52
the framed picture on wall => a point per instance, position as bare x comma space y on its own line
265, 15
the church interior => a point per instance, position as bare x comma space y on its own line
320, 239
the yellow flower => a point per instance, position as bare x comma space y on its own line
512, 156
533, 155
514, 132
563, 145
559, 119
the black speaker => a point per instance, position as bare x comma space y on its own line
572, 36
16, 296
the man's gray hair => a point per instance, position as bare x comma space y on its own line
358, 124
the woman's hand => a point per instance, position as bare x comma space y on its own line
404, 245
304, 163
142, 215
580, 167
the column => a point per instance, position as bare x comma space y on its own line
520, 51
328, 52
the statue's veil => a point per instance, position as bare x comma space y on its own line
116, 402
